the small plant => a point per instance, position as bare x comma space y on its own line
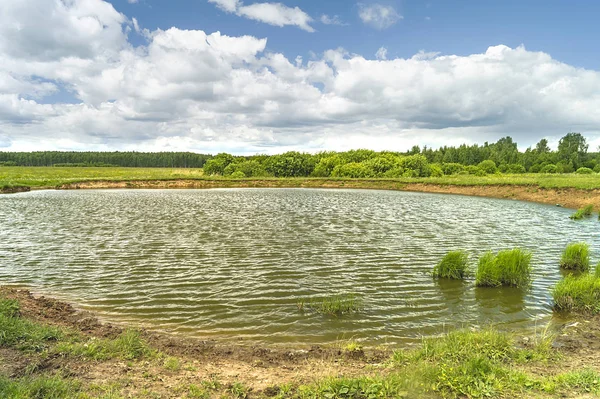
353, 347
129, 345
9, 308
454, 265
577, 294
172, 364
508, 268
336, 305
238, 390
584, 212
576, 257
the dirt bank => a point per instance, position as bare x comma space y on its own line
566, 197
14, 189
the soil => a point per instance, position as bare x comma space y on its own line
262, 369
14, 189
565, 197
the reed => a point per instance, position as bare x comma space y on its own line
576, 256
454, 265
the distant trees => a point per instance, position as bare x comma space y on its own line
502, 156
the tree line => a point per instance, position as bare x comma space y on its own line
502, 156
130, 159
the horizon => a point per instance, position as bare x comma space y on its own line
260, 77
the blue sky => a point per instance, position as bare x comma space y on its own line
254, 76
567, 30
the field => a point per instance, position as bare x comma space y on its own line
49, 177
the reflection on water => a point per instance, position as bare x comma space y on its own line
234, 262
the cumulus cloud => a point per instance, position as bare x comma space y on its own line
378, 16
276, 14
198, 91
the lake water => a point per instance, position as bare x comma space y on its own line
233, 263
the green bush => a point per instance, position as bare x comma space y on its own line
353, 170
238, 174
452, 168
576, 257
549, 169
435, 170
507, 268
584, 171
488, 166
475, 170
515, 168
583, 212
454, 265
578, 294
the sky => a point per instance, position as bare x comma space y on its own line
249, 77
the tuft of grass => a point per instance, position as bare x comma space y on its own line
507, 268
335, 305
454, 265
576, 257
577, 294
172, 364
39, 387
584, 212
128, 346
24, 334
9, 308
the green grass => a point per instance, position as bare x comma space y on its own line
507, 268
128, 346
9, 308
584, 212
335, 305
576, 257
454, 265
53, 176
578, 294
38, 387
21, 333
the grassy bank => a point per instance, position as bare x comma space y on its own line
50, 351
49, 177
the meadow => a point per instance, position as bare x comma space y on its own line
50, 177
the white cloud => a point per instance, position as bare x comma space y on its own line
276, 14
378, 16
190, 90
381, 53
335, 20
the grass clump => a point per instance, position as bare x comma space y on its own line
39, 387
577, 294
335, 305
584, 212
129, 345
507, 268
454, 265
9, 308
576, 257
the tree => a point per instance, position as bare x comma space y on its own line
572, 149
542, 147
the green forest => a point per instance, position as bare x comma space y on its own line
501, 157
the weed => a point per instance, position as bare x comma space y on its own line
128, 346
336, 305
578, 294
507, 268
576, 257
42, 387
454, 265
584, 212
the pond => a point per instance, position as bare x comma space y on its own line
234, 263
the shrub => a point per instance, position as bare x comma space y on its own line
507, 268
515, 168
435, 170
583, 212
452, 168
475, 170
597, 168
577, 293
353, 170
238, 174
549, 169
488, 166
576, 257
454, 265
417, 164
584, 171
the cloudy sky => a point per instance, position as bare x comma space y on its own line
250, 76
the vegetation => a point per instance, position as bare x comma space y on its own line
583, 212
578, 294
507, 268
101, 159
454, 265
576, 257
128, 346
335, 305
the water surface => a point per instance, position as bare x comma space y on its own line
233, 263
